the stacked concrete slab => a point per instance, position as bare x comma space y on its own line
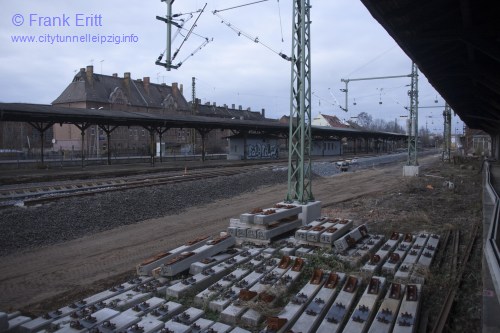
230, 281
264, 225
149, 264
323, 232
184, 260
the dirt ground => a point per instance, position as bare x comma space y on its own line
42, 280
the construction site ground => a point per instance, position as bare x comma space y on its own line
51, 277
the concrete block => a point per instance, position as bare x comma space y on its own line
366, 307
217, 288
145, 307
338, 312
200, 266
241, 232
233, 231
73, 327
313, 315
126, 300
373, 243
313, 234
197, 282
4, 322
330, 235
188, 316
201, 325
277, 230
184, 261
395, 259
271, 215
303, 250
165, 311
407, 319
251, 233
388, 310
146, 325
118, 323
301, 233
298, 302
310, 212
239, 330
218, 328
148, 265
15, 322
411, 171
350, 239
35, 325
226, 297
97, 317
176, 327
232, 313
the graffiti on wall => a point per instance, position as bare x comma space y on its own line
262, 150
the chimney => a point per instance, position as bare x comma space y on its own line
146, 81
232, 106
214, 104
126, 81
115, 74
249, 109
182, 89
240, 108
174, 86
263, 113
90, 74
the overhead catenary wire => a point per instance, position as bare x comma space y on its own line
240, 32
189, 32
239, 6
281, 25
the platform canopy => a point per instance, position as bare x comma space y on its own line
456, 44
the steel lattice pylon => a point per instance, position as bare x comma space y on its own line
299, 148
413, 119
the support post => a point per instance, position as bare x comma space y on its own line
41, 127
108, 130
83, 127
299, 159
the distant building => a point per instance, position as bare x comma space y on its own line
330, 121
97, 91
253, 147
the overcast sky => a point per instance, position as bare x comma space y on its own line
346, 42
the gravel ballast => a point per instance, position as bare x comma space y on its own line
26, 228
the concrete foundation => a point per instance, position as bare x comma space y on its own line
411, 170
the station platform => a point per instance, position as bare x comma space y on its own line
491, 281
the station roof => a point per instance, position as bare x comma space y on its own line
456, 44
41, 113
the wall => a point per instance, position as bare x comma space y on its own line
256, 148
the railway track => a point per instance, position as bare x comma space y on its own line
36, 194
457, 267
